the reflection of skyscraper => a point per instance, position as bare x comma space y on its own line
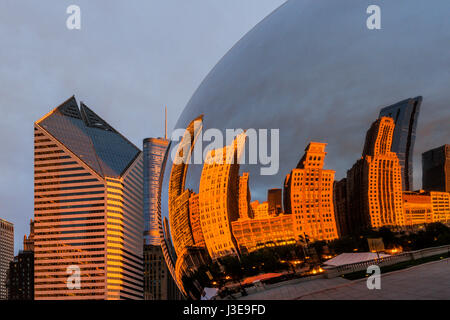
405, 114
6, 254
179, 197
154, 151
310, 190
194, 216
274, 201
88, 207
374, 184
245, 210
341, 207
218, 197
436, 169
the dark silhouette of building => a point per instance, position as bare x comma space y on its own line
158, 282
436, 169
405, 114
341, 207
274, 200
20, 278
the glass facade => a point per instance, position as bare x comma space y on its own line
154, 151
88, 207
405, 114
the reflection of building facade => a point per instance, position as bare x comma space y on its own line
341, 208
180, 228
417, 208
88, 207
274, 201
310, 190
153, 152
194, 217
374, 183
405, 114
245, 210
436, 169
257, 233
218, 197
260, 209
440, 204
6, 254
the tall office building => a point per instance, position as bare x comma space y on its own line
154, 151
20, 280
310, 193
28, 241
158, 283
218, 198
6, 254
405, 114
436, 169
374, 183
194, 217
245, 209
88, 208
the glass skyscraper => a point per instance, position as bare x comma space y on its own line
154, 151
88, 208
405, 114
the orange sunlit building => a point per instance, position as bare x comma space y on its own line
417, 208
309, 190
245, 209
254, 234
218, 198
374, 184
194, 216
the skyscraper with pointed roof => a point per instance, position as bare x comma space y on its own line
88, 207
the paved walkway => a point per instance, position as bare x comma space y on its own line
422, 282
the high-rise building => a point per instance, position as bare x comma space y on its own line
218, 198
260, 209
274, 201
158, 283
20, 280
88, 208
6, 254
154, 151
405, 114
436, 169
310, 190
374, 183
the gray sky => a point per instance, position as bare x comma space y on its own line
129, 59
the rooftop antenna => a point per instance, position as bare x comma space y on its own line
165, 124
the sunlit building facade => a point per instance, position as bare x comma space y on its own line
405, 115
194, 217
440, 204
260, 209
88, 207
374, 183
417, 208
218, 198
245, 209
258, 233
310, 190
436, 169
6, 254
